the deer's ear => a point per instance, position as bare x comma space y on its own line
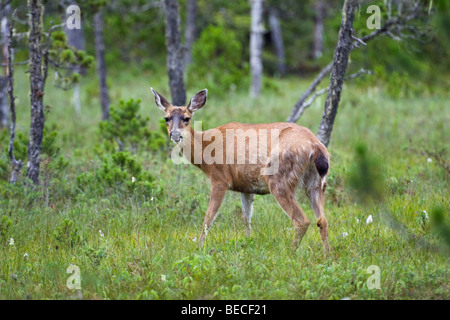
198, 100
161, 102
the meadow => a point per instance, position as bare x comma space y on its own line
136, 238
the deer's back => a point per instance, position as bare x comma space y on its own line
255, 146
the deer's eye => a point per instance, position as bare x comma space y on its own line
166, 119
186, 120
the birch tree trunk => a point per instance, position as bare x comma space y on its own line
191, 30
101, 64
4, 106
340, 61
319, 8
277, 39
36, 90
256, 42
175, 59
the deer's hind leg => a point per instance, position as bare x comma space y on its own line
285, 196
315, 190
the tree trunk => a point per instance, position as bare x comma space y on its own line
16, 164
340, 61
175, 59
191, 30
404, 19
4, 108
319, 8
36, 91
277, 39
101, 64
256, 42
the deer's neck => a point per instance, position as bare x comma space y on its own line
194, 147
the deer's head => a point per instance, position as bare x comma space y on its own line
178, 119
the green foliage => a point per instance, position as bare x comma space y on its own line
129, 129
217, 61
4, 157
64, 59
54, 164
4, 168
150, 248
5, 229
67, 234
366, 176
118, 167
21, 143
121, 172
440, 225
151, 251
20, 146
96, 254
94, 5
405, 68
143, 45
195, 272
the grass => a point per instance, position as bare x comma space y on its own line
131, 244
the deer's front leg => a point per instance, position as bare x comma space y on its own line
215, 200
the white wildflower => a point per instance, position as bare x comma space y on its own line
151, 199
344, 234
25, 256
11, 241
101, 233
194, 239
369, 219
133, 179
425, 214
357, 220
429, 160
163, 277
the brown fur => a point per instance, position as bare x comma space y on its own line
303, 160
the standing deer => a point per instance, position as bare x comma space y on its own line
294, 154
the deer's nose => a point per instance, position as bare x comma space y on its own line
175, 136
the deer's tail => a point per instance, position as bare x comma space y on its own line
322, 160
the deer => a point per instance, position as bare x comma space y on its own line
297, 156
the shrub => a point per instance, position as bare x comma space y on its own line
5, 226
129, 130
67, 234
217, 60
120, 172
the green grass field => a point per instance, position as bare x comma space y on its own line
139, 242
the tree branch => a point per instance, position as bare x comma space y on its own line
340, 62
46, 51
16, 63
309, 102
391, 27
